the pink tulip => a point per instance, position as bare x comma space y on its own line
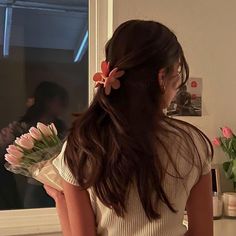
12, 160
227, 132
14, 151
44, 129
35, 133
27, 136
25, 142
216, 142
53, 128
15, 147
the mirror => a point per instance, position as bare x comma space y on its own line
44, 77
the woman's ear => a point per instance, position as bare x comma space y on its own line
162, 79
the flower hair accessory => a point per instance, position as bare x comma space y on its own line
108, 79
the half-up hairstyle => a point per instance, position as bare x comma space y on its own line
114, 144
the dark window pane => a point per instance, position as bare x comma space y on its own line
43, 77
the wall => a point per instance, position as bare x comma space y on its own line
31, 222
206, 30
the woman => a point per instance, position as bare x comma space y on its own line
128, 169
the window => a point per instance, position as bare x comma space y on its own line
43, 77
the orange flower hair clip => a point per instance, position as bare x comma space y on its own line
108, 79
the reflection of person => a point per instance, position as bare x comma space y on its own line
49, 103
184, 103
141, 168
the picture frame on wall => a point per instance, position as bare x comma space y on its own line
188, 100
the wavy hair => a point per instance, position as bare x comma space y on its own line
115, 143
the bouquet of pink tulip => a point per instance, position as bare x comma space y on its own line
228, 145
32, 155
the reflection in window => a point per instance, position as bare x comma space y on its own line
43, 76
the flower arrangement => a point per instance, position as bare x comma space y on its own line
32, 153
228, 144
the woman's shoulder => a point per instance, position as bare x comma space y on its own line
193, 143
189, 132
177, 122
184, 126
193, 136
63, 169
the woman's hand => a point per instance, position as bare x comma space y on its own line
61, 206
74, 210
55, 194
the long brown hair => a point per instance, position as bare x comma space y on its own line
115, 142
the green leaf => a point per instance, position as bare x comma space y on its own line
223, 144
228, 166
234, 144
230, 144
234, 167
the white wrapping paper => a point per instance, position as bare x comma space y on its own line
46, 173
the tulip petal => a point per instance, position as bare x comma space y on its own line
10, 159
35, 133
44, 129
53, 128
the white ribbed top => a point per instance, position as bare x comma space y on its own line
135, 222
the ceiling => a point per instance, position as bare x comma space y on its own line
72, 3
54, 24
64, 2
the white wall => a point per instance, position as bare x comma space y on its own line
207, 32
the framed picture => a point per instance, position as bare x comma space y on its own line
188, 100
